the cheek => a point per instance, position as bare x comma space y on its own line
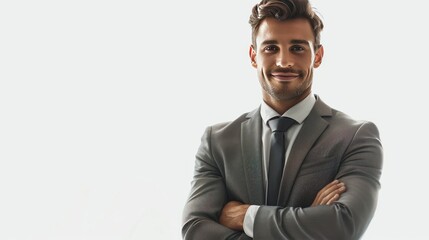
265, 61
260, 65
261, 72
265, 66
309, 65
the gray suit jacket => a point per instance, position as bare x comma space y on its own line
330, 145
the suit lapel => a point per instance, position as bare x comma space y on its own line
251, 146
312, 128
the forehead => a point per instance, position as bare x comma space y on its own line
293, 29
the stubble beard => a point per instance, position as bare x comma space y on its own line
284, 94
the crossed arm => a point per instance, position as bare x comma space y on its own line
209, 215
233, 213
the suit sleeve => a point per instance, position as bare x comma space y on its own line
206, 199
347, 218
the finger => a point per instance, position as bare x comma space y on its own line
322, 193
332, 188
326, 199
333, 199
329, 185
329, 188
342, 189
333, 196
330, 193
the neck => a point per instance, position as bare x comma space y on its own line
282, 105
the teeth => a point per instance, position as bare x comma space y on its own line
285, 75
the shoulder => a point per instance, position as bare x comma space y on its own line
227, 134
341, 122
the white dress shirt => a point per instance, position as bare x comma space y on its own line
298, 112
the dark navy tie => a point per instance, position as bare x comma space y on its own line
279, 126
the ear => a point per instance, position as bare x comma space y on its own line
319, 56
252, 55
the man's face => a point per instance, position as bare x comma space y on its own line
284, 57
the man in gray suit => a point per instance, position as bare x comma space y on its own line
325, 150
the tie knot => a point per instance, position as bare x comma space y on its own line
280, 124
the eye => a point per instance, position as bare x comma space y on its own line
271, 48
297, 48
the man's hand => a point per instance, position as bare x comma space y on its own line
329, 194
232, 215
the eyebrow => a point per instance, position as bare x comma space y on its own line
293, 41
299, 41
268, 42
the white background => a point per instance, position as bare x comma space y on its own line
103, 104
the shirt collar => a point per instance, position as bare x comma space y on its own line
298, 112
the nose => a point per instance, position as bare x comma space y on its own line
284, 60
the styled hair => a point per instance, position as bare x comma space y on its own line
283, 10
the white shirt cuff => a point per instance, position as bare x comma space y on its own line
249, 219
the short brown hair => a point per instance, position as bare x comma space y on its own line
283, 10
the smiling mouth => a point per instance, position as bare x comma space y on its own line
285, 77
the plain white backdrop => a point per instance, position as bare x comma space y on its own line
103, 104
